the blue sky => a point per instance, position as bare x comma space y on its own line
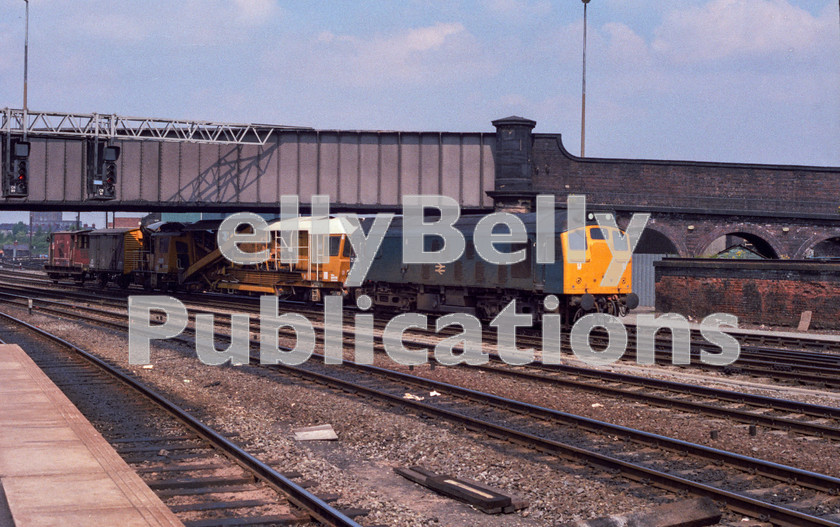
715, 80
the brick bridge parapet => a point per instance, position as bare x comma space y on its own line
785, 210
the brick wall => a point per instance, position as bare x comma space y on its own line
787, 190
773, 292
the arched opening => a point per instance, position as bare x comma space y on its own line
654, 242
829, 248
740, 245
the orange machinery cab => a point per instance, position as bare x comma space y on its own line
323, 261
582, 278
309, 278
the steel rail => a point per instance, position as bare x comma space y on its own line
681, 387
780, 422
743, 504
670, 402
313, 505
767, 468
735, 501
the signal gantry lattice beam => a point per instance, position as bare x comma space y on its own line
117, 127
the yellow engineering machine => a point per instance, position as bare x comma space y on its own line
304, 280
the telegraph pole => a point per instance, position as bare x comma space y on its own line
583, 94
25, 68
25, 78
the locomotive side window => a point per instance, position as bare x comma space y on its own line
619, 242
335, 245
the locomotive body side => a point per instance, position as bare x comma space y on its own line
473, 285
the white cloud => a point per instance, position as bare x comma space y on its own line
435, 54
183, 23
425, 38
625, 49
723, 29
255, 11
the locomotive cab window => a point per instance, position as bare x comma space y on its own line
348, 248
596, 233
577, 240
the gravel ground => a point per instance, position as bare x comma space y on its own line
262, 408
778, 446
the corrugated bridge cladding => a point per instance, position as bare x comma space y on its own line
773, 292
359, 170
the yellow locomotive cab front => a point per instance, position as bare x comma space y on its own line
587, 277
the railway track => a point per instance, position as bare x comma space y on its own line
770, 412
761, 489
203, 476
793, 352
788, 361
793, 367
786, 495
752, 343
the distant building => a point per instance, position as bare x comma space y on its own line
124, 223
50, 222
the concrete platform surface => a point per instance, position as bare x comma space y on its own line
55, 468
